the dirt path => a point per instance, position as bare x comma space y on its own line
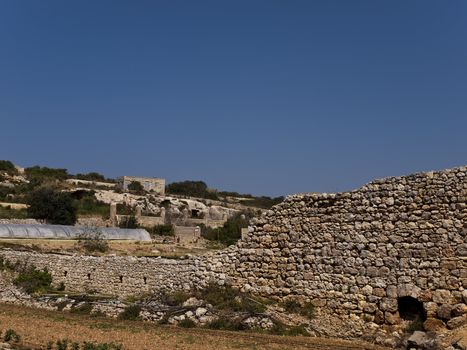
40, 326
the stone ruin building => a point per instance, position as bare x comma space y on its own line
150, 184
393, 249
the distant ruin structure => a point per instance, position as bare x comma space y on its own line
150, 184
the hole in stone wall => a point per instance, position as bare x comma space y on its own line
65, 273
411, 309
121, 279
145, 280
89, 276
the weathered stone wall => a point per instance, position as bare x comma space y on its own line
122, 276
351, 253
358, 252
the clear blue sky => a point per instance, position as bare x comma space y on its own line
265, 97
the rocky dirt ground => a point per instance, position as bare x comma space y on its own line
37, 327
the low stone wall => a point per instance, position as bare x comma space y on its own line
123, 276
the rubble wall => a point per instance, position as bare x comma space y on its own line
358, 252
121, 276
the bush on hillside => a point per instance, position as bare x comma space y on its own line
136, 187
44, 173
52, 205
230, 299
93, 176
8, 167
163, 230
305, 309
197, 189
87, 204
130, 313
230, 232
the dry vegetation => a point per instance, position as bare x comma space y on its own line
37, 327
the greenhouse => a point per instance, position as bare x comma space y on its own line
70, 232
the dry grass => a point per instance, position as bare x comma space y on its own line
40, 326
118, 247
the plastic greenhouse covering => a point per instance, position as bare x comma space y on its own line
69, 232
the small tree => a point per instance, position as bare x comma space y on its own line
163, 230
92, 240
136, 187
52, 205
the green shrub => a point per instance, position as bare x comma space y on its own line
62, 344
228, 298
87, 204
130, 313
187, 323
44, 173
10, 213
163, 230
74, 346
11, 336
230, 232
129, 222
52, 205
33, 280
136, 187
61, 287
8, 167
197, 189
101, 346
306, 309
61, 305
83, 309
176, 298
280, 329
298, 330
50, 345
93, 176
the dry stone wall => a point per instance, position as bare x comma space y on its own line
357, 253
122, 276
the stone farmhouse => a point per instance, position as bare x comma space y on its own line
150, 184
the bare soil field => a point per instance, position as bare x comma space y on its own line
37, 327
117, 247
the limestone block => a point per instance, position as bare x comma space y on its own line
434, 325
456, 322
444, 312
